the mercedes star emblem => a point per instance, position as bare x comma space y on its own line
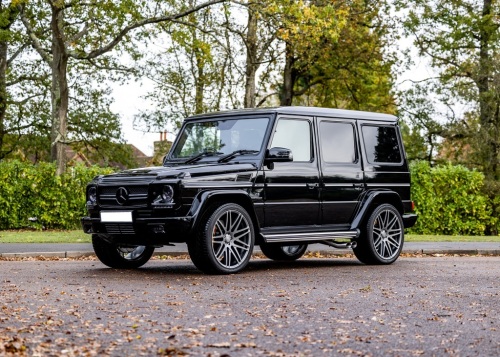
122, 196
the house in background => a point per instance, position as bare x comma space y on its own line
120, 155
161, 148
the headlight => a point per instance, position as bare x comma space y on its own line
165, 197
92, 195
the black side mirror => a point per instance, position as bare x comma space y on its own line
277, 154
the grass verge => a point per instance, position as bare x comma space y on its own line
32, 236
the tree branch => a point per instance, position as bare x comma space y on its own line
127, 29
35, 41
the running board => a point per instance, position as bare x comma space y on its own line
310, 236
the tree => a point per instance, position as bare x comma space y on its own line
461, 38
87, 32
21, 83
345, 65
195, 70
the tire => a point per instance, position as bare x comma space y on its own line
382, 239
120, 256
285, 253
224, 241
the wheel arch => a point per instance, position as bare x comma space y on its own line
370, 201
206, 199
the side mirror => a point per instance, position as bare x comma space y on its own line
277, 154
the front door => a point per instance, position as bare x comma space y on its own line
341, 173
292, 188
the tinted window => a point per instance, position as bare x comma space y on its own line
221, 136
337, 142
294, 135
381, 144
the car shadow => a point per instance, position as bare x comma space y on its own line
187, 268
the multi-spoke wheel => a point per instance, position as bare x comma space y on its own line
283, 252
382, 240
120, 256
225, 240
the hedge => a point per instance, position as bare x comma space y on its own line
449, 199
29, 191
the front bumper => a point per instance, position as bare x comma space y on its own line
143, 230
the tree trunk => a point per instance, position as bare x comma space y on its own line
9, 15
487, 116
286, 96
59, 92
3, 93
251, 61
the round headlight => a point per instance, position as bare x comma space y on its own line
168, 194
92, 194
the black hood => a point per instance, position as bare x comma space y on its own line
180, 171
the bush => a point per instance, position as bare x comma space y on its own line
449, 200
27, 190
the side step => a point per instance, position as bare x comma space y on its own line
309, 236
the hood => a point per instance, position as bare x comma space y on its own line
179, 171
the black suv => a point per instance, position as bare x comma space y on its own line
280, 178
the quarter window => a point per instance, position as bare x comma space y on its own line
294, 135
381, 144
337, 142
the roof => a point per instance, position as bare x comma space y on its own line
299, 110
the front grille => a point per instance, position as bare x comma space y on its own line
137, 196
120, 228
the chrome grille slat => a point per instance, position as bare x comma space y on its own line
138, 195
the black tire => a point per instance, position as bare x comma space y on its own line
120, 256
285, 253
224, 241
382, 239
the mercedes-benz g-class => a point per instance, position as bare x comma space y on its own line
279, 178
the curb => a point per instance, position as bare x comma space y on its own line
76, 254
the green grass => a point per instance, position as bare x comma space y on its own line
77, 236
28, 236
443, 238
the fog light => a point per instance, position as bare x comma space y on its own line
160, 229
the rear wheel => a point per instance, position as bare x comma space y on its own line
382, 239
120, 256
224, 243
283, 252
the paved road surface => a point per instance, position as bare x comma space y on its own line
430, 306
490, 248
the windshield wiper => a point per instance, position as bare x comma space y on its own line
232, 155
199, 156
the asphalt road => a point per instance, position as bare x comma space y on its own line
430, 306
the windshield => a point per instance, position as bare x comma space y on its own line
220, 137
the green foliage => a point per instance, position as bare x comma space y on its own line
28, 190
449, 200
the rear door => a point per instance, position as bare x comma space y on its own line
341, 178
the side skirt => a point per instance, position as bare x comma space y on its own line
309, 236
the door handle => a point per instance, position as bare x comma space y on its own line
312, 186
358, 186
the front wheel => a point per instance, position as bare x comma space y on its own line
382, 240
225, 240
283, 252
120, 256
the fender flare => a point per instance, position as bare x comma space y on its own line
203, 199
371, 199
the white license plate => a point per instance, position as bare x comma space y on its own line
122, 216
